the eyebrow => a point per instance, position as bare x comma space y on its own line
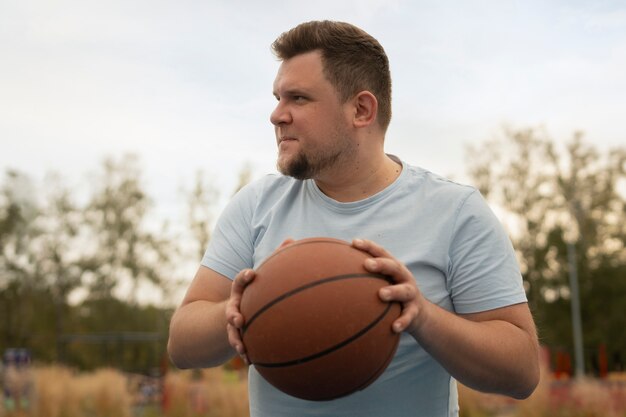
297, 91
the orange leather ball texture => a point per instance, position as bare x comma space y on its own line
315, 327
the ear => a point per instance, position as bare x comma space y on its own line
365, 109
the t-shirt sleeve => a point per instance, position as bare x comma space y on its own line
231, 246
483, 270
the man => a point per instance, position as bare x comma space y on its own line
464, 316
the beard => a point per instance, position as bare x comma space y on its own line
308, 165
321, 155
303, 168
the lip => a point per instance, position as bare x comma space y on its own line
286, 139
286, 144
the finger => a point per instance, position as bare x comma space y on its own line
234, 338
402, 293
286, 242
243, 278
409, 313
372, 248
390, 267
233, 315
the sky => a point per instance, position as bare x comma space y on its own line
187, 85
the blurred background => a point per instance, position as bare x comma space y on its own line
126, 126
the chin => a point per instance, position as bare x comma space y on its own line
298, 166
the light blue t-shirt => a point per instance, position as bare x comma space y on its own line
444, 232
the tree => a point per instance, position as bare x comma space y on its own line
57, 257
551, 198
588, 192
36, 270
201, 204
18, 210
50, 247
122, 251
513, 174
201, 201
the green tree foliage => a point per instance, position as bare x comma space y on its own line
131, 337
70, 269
552, 197
121, 250
201, 201
20, 269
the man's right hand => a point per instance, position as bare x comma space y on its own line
234, 318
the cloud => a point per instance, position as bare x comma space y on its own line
187, 85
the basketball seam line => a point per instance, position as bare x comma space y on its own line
305, 287
330, 349
375, 374
372, 377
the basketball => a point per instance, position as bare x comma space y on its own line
315, 327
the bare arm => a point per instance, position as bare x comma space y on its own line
198, 335
493, 351
204, 330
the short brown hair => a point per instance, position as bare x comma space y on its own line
353, 60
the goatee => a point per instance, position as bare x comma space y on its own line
300, 168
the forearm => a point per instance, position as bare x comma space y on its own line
198, 337
488, 355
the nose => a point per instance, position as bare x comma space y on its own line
280, 115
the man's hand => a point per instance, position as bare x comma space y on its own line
234, 318
404, 290
477, 348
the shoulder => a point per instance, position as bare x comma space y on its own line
271, 193
265, 187
454, 203
438, 189
270, 183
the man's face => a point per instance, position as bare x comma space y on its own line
311, 123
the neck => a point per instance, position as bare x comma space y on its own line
360, 179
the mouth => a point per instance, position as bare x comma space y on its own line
286, 139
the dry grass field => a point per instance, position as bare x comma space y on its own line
553, 398
61, 392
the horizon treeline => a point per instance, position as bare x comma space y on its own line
73, 276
